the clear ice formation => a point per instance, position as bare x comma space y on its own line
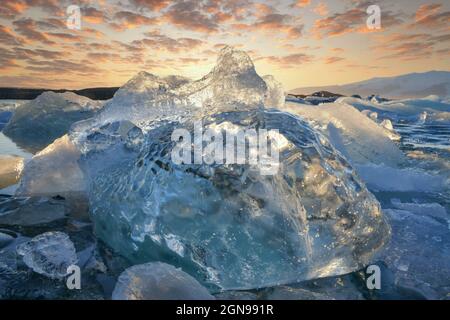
37, 123
141, 96
232, 227
30, 211
227, 225
232, 85
143, 102
356, 136
158, 281
52, 171
417, 256
49, 254
431, 109
275, 97
367, 144
5, 239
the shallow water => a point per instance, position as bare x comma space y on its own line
425, 137
432, 141
8, 147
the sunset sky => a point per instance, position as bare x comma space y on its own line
301, 42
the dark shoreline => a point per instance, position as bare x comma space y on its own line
103, 93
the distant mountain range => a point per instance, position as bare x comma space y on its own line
30, 94
412, 85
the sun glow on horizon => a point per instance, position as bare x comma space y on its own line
309, 44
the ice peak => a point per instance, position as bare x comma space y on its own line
51, 97
144, 81
232, 61
38, 122
144, 74
233, 84
148, 82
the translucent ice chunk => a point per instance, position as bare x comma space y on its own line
387, 124
385, 178
143, 97
49, 254
158, 281
417, 255
56, 171
428, 109
37, 123
389, 128
5, 239
233, 84
230, 226
53, 171
426, 209
30, 211
275, 96
356, 136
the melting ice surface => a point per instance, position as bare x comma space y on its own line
158, 281
38, 122
368, 133
50, 254
227, 225
233, 227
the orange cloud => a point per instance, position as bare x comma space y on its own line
158, 41
427, 10
10, 9
131, 20
288, 61
103, 57
321, 9
28, 29
93, 15
430, 16
337, 50
302, 3
8, 60
274, 22
7, 37
409, 46
93, 32
353, 20
191, 15
331, 60
262, 9
152, 5
18, 7
35, 40
64, 36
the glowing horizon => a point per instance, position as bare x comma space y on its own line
303, 43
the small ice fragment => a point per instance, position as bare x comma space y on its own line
158, 281
49, 254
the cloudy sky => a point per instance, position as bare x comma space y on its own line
301, 42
